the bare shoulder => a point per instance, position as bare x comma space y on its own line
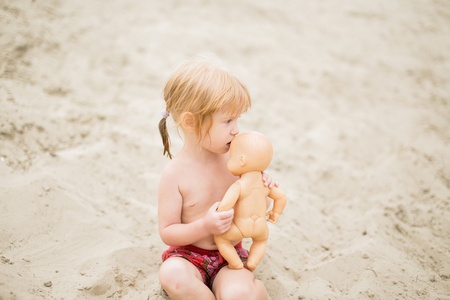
170, 170
171, 176
177, 172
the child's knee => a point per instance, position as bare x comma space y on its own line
173, 274
237, 291
255, 291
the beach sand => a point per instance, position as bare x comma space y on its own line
354, 95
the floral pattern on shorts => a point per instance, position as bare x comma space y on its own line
208, 262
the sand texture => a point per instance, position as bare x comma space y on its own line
355, 96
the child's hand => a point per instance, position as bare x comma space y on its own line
269, 181
218, 222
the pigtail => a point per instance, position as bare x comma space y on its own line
165, 137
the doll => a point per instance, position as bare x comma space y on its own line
250, 154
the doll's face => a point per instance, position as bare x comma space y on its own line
249, 152
236, 159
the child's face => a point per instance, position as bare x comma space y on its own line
223, 130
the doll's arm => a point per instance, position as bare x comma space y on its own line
230, 197
279, 203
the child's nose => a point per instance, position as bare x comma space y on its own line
235, 130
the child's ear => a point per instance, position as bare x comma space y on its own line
188, 121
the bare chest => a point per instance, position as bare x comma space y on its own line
201, 189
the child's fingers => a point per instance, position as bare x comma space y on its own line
226, 214
225, 220
269, 181
266, 179
274, 184
215, 206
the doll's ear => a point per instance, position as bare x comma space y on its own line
188, 121
242, 160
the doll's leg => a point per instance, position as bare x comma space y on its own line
256, 253
258, 247
227, 249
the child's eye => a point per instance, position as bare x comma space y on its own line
231, 120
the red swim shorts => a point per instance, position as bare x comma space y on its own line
208, 262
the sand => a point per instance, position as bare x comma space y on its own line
355, 96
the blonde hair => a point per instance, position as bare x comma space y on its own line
201, 88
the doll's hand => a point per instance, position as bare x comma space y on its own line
269, 181
218, 222
273, 216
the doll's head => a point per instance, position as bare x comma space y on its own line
250, 151
197, 89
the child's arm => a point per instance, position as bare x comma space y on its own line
175, 233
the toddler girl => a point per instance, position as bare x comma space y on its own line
205, 101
